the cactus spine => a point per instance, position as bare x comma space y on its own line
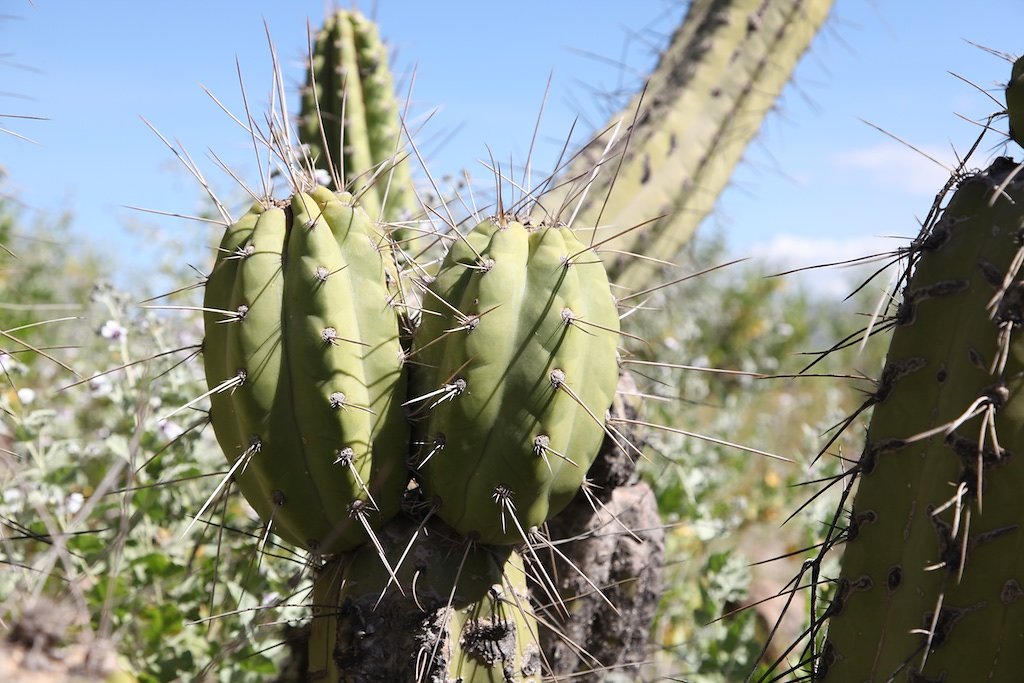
931, 581
518, 349
303, 356
714, 84
350, 119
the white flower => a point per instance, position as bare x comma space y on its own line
73, 503
100, 385
113, 330
322, 177
170, 430
8, 365
26, 395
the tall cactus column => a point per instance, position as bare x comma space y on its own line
705, 100
933, 569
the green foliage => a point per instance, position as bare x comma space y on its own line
32, 291
724, 508
97, 491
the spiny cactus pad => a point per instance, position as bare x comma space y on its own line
933, 568
516, 359
303, 354
350, 118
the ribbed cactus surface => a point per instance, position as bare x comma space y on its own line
350, 118
933, 568
303, 354
516, 367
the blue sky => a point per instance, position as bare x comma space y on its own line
817, 183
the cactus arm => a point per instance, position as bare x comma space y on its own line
383, 123
705, 100
219, 301
255, 346
342, 111
355, 102
318, 367
903, 560
348, 360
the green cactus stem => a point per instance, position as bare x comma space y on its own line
933, 568
705, 100
303, 358
350, 119
462, 614
1015, 102
517, 365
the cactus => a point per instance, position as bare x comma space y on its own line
463, 612
1015, 101
518, 350
350, 120
930, 586
703, 103
305, 367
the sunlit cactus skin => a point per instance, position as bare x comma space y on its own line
517, 368
303, 355
350, 118
933, 568
470, 599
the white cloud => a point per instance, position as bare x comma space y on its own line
896, 166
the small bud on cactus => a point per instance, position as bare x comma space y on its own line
304, 362
517, 366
